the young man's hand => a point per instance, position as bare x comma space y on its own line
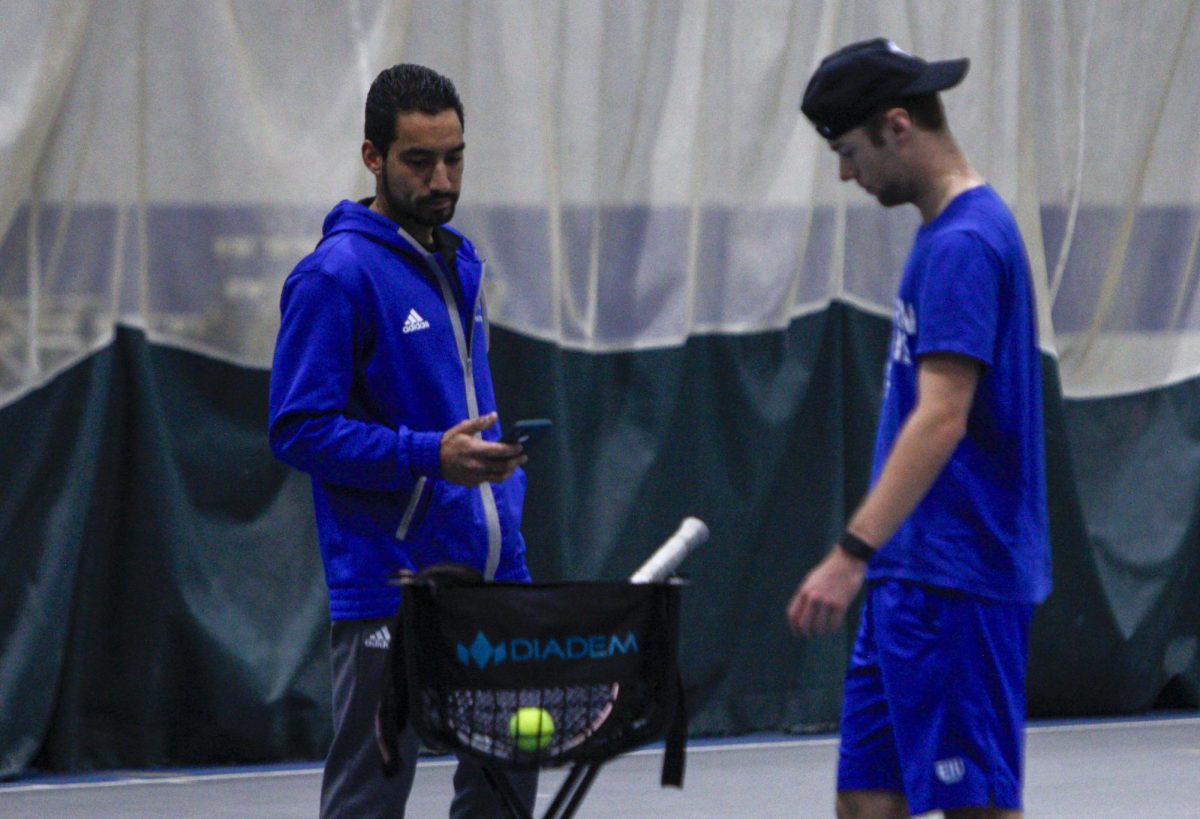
821, 601
469, 460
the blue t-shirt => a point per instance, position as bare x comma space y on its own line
982, 528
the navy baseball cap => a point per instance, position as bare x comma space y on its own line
854, 82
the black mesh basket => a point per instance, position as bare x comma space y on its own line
600, 658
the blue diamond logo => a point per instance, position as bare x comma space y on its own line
481, 650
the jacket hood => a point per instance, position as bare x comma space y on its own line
356, 217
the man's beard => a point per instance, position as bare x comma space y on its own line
418, 211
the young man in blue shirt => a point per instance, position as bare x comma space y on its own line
952, 537
381, 391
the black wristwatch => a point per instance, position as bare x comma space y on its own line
856, 547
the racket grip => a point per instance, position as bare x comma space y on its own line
690, 534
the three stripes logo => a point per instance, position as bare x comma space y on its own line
382, 638
414, 322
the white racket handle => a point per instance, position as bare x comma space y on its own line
690, 534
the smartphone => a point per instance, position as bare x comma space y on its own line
527, 431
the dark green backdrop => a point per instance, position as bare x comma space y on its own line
161, 599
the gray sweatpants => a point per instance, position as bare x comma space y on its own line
354, 786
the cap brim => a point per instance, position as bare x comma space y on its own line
938, 76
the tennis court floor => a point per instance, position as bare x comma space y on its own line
1148, 768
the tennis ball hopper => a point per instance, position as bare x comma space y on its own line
473, 660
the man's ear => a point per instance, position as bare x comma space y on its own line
372, 158
898, 125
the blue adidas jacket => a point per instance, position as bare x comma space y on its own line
382, 347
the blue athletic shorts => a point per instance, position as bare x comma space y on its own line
934, 701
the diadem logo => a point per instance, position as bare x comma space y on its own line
482, 651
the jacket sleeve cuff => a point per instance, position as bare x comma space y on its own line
424, 453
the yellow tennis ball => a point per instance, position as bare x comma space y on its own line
532, 728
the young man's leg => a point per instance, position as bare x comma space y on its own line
869, 782
871, 805
953, 667
354, 785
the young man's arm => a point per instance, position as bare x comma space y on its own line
945, 389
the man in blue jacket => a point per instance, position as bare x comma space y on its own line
381, 391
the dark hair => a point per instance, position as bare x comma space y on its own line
405, 88
925, 110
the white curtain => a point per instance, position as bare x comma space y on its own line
638, 171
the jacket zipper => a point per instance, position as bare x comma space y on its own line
462, 339
414, 500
